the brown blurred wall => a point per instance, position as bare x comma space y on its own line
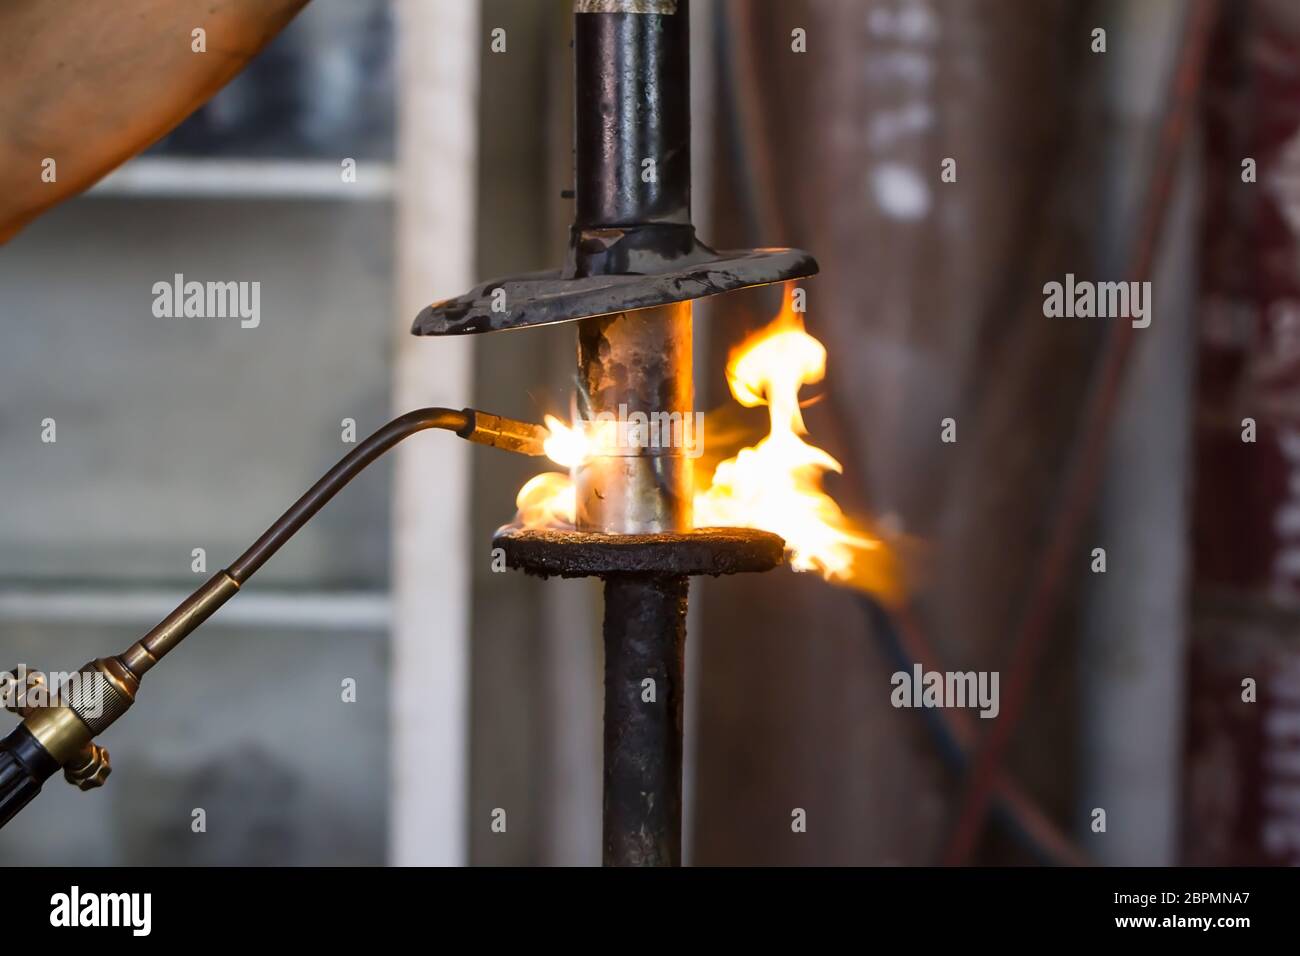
930, 304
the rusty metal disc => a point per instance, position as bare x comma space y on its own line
543, 298
580, 554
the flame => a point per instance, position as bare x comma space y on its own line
548, 500
774, 485
566, 445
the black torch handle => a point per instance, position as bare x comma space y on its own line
24, 767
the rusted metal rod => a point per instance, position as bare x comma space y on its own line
645, 640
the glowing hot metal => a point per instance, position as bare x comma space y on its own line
774, 485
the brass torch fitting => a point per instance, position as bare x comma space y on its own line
88, 703
525, 438
60, 731
176, 626
90, 769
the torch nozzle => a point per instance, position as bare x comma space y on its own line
505, 433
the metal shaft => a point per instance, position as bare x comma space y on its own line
636, 396
632, 137
632, 122
645, 640
632, 179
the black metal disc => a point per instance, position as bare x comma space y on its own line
543, 298
580, 554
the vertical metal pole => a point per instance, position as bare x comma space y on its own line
645, 640
632, 183
632, 133
633, 105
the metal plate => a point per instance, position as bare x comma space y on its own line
543, 298
578, 554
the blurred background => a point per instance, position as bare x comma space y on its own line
480, 691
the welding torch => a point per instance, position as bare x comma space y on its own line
58, 730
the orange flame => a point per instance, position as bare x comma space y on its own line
774, 485
567, 445
548, 500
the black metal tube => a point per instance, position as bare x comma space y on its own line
645, 642
632, 122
